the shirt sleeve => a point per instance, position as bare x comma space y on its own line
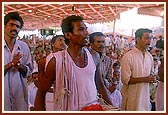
125, 69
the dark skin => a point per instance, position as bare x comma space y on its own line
77, 40
41, 67
58, 45
12, 29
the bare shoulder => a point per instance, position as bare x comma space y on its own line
50, 70
41, 67
51, 66
51, 62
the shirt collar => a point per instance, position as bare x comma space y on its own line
5, 43
140, 50
16, 44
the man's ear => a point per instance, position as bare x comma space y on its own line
137, 39
68, 35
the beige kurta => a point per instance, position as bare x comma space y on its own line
136, 97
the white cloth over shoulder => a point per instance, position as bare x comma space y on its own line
79, 84
48, 58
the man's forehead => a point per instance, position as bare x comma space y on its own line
148, 34
13, 21
99, 38
60, 38
79, 24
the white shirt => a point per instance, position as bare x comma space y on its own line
116, 98
136, 97
32, 89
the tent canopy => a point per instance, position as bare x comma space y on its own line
40, 15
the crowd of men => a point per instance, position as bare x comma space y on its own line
74, 70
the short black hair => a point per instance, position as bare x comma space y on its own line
54, 39
139, 32
67, 25
91, 36
13, 16
116, 64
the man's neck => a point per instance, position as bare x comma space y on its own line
10, 42
140, 48
75, 52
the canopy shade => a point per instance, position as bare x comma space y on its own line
49, 14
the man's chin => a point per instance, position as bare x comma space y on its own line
13, 36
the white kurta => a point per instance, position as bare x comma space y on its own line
32, 90
136, 97
116, 98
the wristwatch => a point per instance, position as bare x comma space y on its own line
18, 64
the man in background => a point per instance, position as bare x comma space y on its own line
136, 69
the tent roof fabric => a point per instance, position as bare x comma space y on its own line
41, 15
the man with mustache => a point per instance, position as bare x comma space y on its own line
17, 65
97, 43
136, 74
